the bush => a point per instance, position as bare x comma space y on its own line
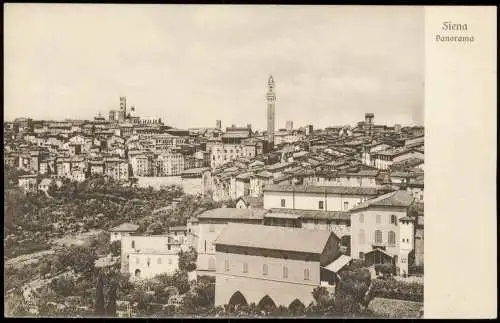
392, 288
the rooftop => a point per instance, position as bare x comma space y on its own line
233, 213
312, 214
269, 237
344, 190
392, 199
125, 227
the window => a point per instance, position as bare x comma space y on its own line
170, 261
133, 244
137, 260
226, 265
283, 203
378, 236
346, 205
159, 261
362, 236
211, 263
205, 245
149, 261
245, 267
264, 269
392, 238
320, 205
394, 220
361, 255
211, 228
378, 218
421, 197
361, 218
285, 272
306, 274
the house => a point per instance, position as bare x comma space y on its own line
28, 182
327, 198
382, 231
273, 266
123, 229
210, 225
143, 247
44, 184
249, 202
148, 263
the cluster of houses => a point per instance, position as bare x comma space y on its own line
306, 205
301, 215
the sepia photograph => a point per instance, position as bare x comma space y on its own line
214, 161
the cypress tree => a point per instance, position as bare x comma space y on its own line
99, 296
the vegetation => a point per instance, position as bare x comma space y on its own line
395, 289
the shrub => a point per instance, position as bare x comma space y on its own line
392, 288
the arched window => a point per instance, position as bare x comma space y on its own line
285, 271
394, 220
361, 218
378, 236
264, 269
283, 203
306, 274
362, 236
245, 267
133, 244
392, 238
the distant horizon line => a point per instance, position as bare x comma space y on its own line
227, 126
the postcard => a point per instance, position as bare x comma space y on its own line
223, 161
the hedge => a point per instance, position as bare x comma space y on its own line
394, 289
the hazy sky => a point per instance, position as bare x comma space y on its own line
193, 64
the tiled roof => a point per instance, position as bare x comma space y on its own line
233, 213
275, 238
125, 227
253, 201
392, 199
313, 214
344, 190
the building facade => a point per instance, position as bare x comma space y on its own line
272, 265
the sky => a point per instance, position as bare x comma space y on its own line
194, 64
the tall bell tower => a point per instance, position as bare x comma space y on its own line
271, 99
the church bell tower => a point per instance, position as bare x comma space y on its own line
271, 99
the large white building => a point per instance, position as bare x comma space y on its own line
381, 230
274, 266
327, 198
136, 250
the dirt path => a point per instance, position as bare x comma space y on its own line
28, 258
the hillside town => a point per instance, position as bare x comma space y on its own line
292, 211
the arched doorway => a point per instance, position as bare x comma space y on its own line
296, 306
137, 273
267, 303
237, 299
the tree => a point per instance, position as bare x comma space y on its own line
44, 269
111, 304
99, 297
187, 260
155, 228
115, 248
352, 289
320, 295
